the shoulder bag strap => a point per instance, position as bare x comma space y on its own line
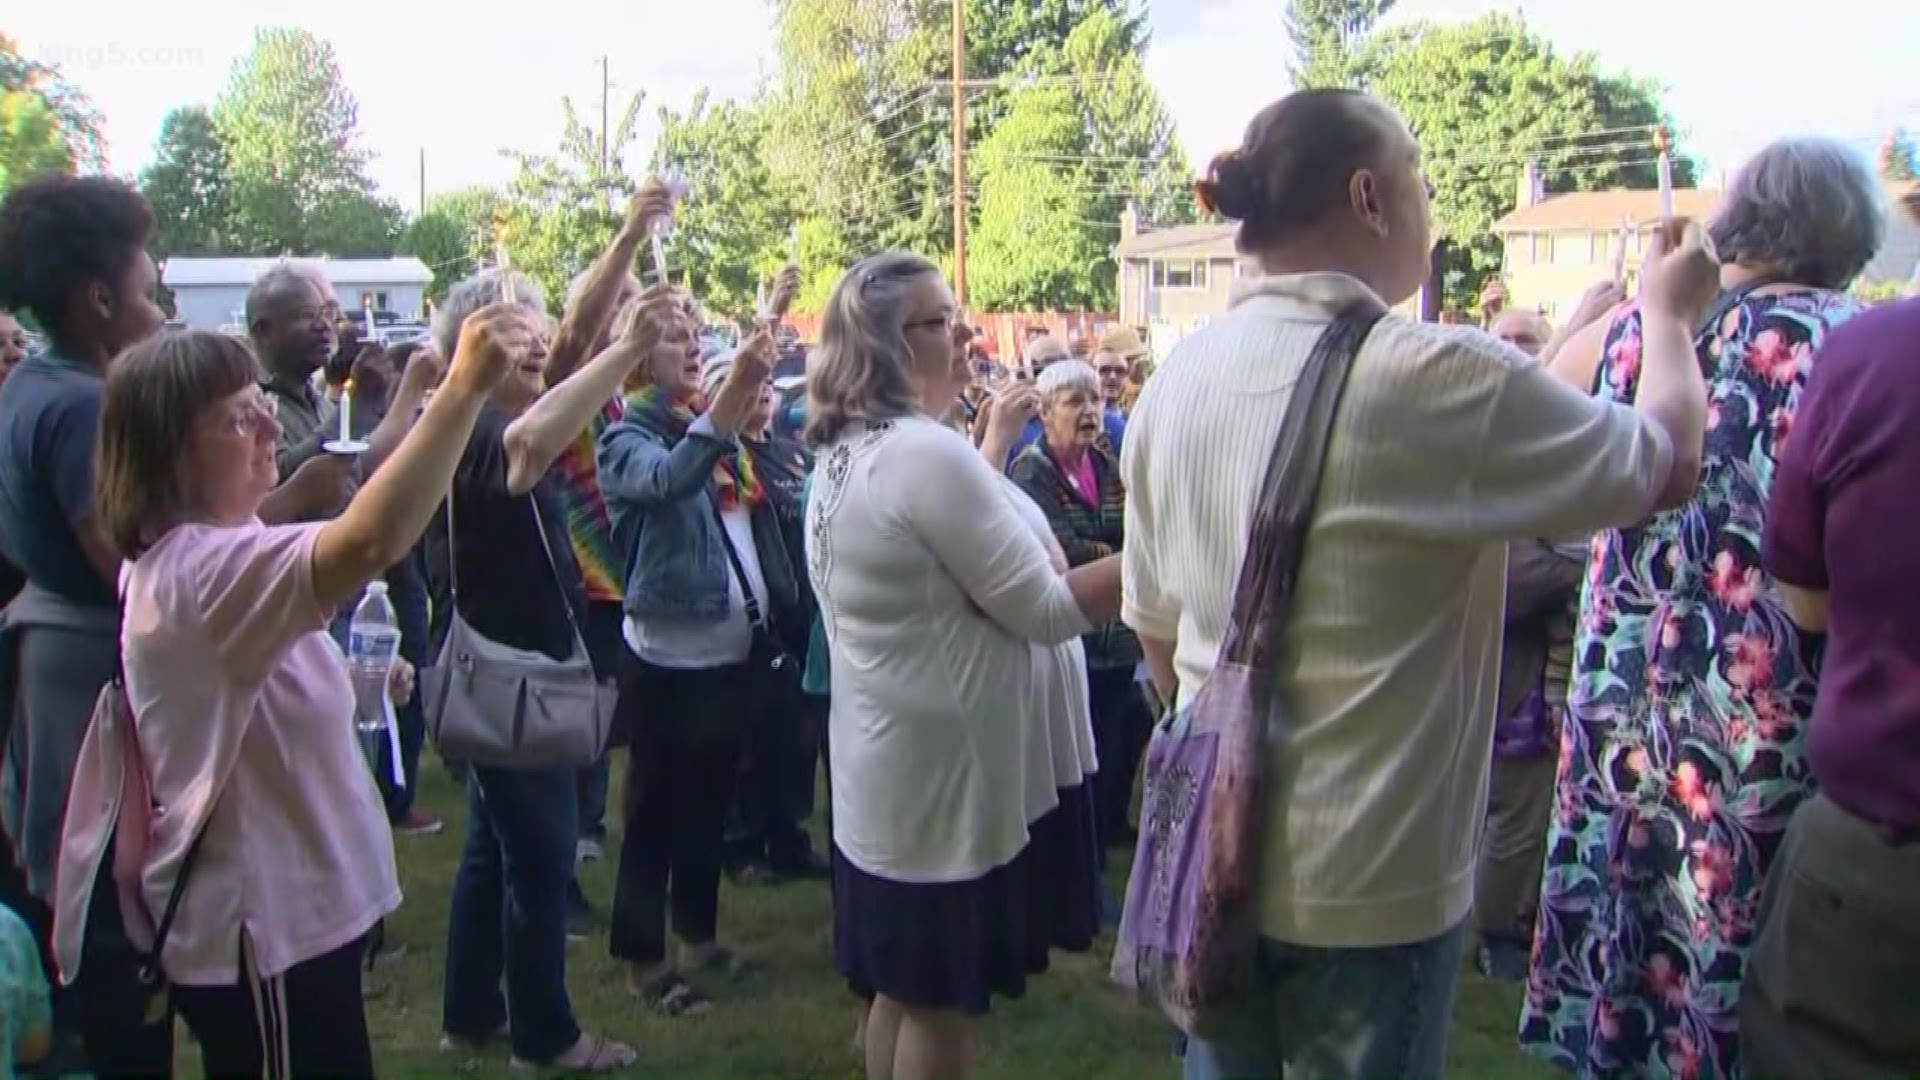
1290, 489
149, 968
754, 615
553, 566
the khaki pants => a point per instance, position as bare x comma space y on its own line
1514, 845
1832, 987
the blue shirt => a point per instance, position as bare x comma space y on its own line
1115, 425
49, 417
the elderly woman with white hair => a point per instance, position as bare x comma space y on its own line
707, 577
962, 845
1684, 749
500, 552
1076, 482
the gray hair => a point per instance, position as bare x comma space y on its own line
1066, 374
1054, 348
476, 292
1806, 209
279, 277
859, 372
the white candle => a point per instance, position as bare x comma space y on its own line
1666, 186
346, 412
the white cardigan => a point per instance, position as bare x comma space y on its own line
934, 593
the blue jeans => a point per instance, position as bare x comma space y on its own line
509, 912
1340, 1014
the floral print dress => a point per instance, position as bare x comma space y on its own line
1683, 755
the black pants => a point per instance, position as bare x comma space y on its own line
309, 1022
1120, 729
688, 730
783, 756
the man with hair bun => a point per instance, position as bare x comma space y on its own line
1444, 446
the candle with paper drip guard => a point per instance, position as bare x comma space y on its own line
345, 443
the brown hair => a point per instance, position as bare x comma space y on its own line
155, 392
1294, 165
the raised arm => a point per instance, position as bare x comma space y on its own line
388, 515
586, 318
1678, 284
552, 423
981, 541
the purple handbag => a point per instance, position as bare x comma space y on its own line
1530, 731
1190, 928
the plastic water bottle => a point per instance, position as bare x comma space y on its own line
373, 643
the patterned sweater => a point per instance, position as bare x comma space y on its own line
1086, 531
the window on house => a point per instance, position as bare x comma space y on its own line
1572, 249
1179, 274
1542, 248
380, 301
1519, 250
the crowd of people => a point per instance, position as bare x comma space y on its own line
1598, 663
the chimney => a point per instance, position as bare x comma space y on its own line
1130, 221
1531, 189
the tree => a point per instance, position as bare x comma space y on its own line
561, 210
290, 126
1486, 97
732, 232
859, 130
1899, 157
1059, 168
354, 225
188, 186
453, 235
1326, 35
862, 119
1033, 247
76, 119
30, 140
1010, 36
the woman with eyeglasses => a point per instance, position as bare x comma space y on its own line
962, 836
272, 836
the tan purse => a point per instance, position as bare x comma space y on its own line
498, 706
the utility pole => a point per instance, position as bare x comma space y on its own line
421, 207
960, 153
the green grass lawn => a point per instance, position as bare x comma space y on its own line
798, 1019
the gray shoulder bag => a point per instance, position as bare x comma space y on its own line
496, 706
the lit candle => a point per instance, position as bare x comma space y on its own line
346, 411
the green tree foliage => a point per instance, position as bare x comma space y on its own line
76, 119
859, 131
1487, 96
562, 209
1899, 157
188, 186
453, 235
1058, 169
733, 230
290, 128
1326, 36
862, 122
30, 140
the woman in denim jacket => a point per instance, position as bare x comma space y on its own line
706, 570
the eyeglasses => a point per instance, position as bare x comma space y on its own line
256, 414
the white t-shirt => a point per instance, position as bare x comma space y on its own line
691, 645
934, 593
1447, 444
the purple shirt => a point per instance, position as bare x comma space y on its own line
1844, 520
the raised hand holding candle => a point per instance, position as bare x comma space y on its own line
677, 188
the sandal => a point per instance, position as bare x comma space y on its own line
451, 1043
724, 961
591, 1056
673, 997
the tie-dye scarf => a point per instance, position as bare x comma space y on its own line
735, 480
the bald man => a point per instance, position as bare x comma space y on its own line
1525, 330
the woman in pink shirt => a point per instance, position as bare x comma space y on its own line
241, 700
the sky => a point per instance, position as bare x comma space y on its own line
460, 87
